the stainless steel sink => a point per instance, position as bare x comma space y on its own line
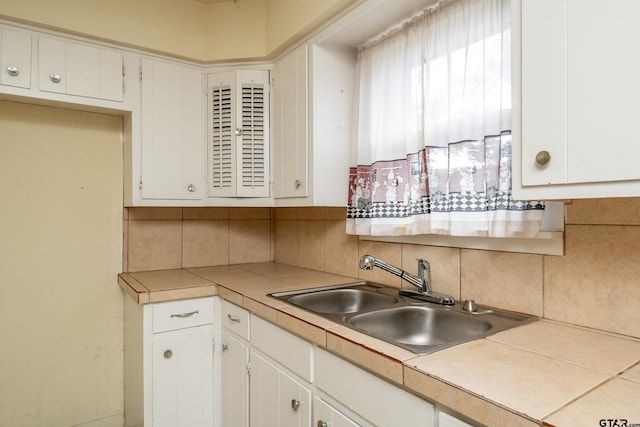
380, 311
342, 300
419, 326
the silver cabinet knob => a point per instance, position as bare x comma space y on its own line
55, 77
167, 354
295, 404
225, 347
12, 70
322, 423
191, 188
238, 131
298, 183
542, 158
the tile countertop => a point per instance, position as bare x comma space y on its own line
543, 373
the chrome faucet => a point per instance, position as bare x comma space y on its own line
422, 281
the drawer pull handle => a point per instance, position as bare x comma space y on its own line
323, 423
233, 319
167, 354
12, 70
225, 347
55, 77
295, 404
184, 315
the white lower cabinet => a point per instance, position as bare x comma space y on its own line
235, 381
182, 378
169, 367
277, 399
325, 415
234, 390
271, 377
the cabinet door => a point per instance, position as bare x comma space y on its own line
172, 139
79, 69
290, 115
579, 92
276, 398
326, 415
52, 65
182, 377
15, 57
235, 381
446, 420
238, 147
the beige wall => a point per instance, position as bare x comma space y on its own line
61, 315
595, 284
286, 19
219, 31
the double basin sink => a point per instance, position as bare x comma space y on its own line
420, 327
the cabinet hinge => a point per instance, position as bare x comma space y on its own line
249, 369
140, 183
140, 73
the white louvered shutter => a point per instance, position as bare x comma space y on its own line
222, 144
239, 134
253, 119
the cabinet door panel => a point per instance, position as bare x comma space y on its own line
603, 90
235, 381
264, 393
182, 390
274, 395
544, 86
15, 51
579, 93
290, 142
111, 75
52, 62
295, 403
172, 143
83, 70
323, 412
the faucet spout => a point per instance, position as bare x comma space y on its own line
422, 281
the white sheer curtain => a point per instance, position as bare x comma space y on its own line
432, 129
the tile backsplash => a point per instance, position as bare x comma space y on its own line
166, 238
596, 283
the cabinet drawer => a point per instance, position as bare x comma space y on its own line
289, 350
235, 319
172, 315
370, 396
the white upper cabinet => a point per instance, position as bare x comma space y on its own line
579, 92
15, 58
172, 131
238, 134
80, 69
290, 130
312, 125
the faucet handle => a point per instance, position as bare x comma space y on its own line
423, 265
